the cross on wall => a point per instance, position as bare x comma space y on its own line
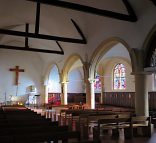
16, 70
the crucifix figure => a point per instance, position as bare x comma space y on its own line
16, 70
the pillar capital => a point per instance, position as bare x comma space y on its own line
86, 65
64, 92
65, 82
91, 80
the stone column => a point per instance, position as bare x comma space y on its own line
92, 94
102, 90
141, 94
87, 83
43, 94
64, 93
46, 93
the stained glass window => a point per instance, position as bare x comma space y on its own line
97, 84
119, 79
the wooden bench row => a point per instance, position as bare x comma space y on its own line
130, 126
28, 127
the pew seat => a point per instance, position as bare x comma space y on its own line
141, 125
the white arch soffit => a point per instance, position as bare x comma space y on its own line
103, 48
106, 61
68, 65
47, 73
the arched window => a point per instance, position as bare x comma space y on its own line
119, 77
97, 84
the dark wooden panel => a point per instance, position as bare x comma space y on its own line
124, 99
76, 97
54, 98
84, 8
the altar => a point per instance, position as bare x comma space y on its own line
16, 100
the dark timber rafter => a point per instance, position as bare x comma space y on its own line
36, 35
31, 49
27, 35
26, 38
43, 36
154, 2
74, 6
37, 18
27, 48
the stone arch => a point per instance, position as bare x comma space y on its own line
68, 64
147, 46
104, 47
48, 72
46, 78
67, 67
109, 66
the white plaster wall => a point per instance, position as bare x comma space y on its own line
56, 21
151, 82
32, 65
108, 76
76, 82
54, 81
133, 34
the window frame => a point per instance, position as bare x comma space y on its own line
120, 77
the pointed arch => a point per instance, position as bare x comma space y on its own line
103, 48
46, 79
147, 46
74, 66
68, 64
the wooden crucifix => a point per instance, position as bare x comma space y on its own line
16, 70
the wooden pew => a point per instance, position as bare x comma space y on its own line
89, 121
45, 136
112, 124
129, 124
42, 133
28, 127
142, 123
6, 139
85, 119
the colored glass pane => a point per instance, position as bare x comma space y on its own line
97, 84
119, 81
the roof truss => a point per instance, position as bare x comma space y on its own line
36, 35
74, 6
154, 2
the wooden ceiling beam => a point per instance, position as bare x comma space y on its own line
26, 38
37, 24
83, 8
130, 10
31, 49
79, 30
41, 36
154, 2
